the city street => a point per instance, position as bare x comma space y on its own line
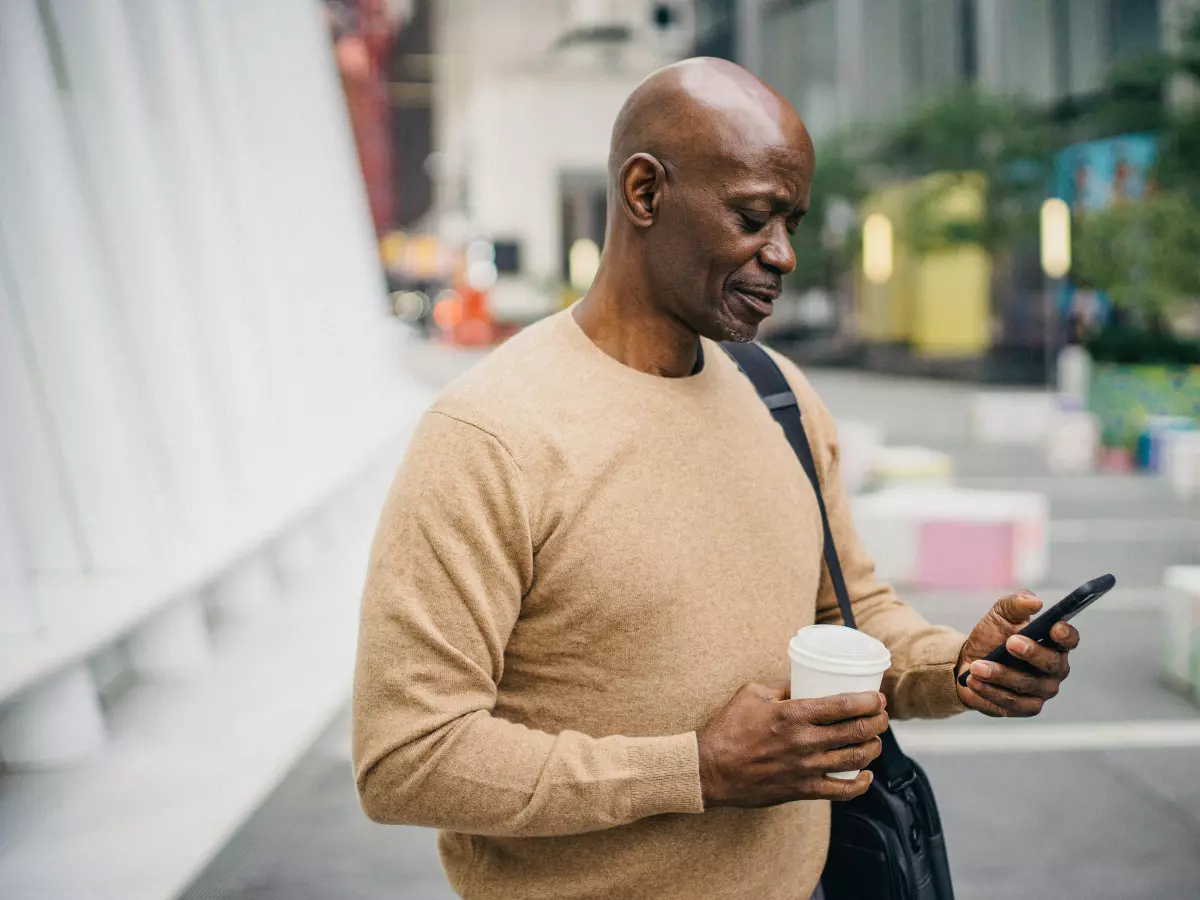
1096, 800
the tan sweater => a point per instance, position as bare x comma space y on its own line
578, 564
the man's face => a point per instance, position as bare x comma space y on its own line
722, 246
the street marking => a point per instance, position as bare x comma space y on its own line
1134, 531
1016, 737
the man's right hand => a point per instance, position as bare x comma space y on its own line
764, 749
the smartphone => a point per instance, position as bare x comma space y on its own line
1039, 629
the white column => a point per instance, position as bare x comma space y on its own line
245, 589
214, 27
55, 722
30, 457
748, 34
119, 159
304, 127
171, 643
851, 59
345, 224
202, 220
989, 21
17, 618
271, 90
63, 293
299, 552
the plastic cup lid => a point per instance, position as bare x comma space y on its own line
839, 650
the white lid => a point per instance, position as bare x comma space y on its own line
839, 650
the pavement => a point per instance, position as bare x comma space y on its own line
1097, 799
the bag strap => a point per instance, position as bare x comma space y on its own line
757, 365
772, 386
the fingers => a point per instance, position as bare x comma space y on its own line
846, 734
1065, 635
1017, 608
1004, 702
1024, 683
1044, 659
844, 759
826, 788
838, 708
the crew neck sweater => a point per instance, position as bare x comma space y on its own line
577, 565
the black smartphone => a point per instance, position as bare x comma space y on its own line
1039, 629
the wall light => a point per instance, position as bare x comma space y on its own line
583, 262
877, 248
1056, 238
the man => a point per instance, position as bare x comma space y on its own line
588, 569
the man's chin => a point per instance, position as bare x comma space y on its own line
737, 330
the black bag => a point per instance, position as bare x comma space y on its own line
887, 844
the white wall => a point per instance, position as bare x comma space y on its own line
525, 133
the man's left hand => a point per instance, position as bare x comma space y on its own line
998, 690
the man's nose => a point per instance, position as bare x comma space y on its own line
777, 252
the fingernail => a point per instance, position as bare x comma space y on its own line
870, 775
1022, 644
882, 698
982, 669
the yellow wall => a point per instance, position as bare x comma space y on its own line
939, 302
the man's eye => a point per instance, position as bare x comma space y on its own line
752, 224
792, 225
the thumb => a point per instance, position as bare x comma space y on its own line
1017, 608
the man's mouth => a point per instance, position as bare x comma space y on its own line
760, 298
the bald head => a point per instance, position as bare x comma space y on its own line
701, 111
710, 172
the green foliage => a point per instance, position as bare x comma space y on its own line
1142, 346
1133, 99
967, 133
1145, 255
1178, 167
820, 255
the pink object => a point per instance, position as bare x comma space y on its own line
967, 555
1116, 459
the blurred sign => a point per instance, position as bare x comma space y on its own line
1092, 176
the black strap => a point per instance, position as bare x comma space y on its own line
771, 385
777, 394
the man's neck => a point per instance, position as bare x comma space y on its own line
629, 329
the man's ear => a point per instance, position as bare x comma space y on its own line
642, 181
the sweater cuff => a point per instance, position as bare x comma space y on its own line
934, 682
664, 775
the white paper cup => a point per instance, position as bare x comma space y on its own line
833, 659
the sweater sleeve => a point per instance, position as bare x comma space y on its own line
451, 561
920, 682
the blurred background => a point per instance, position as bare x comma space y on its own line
243, 243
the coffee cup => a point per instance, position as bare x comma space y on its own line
833, 659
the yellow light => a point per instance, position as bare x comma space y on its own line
877, 248
1056, 238
582, 262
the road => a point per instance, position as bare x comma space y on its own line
1099, 799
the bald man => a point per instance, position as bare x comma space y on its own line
572, 658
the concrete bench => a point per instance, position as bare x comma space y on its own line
1012, 417
903, 466
1181, 629
944, 537
859, 444
1180, 463
1073, 442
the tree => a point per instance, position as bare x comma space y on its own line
967, 135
